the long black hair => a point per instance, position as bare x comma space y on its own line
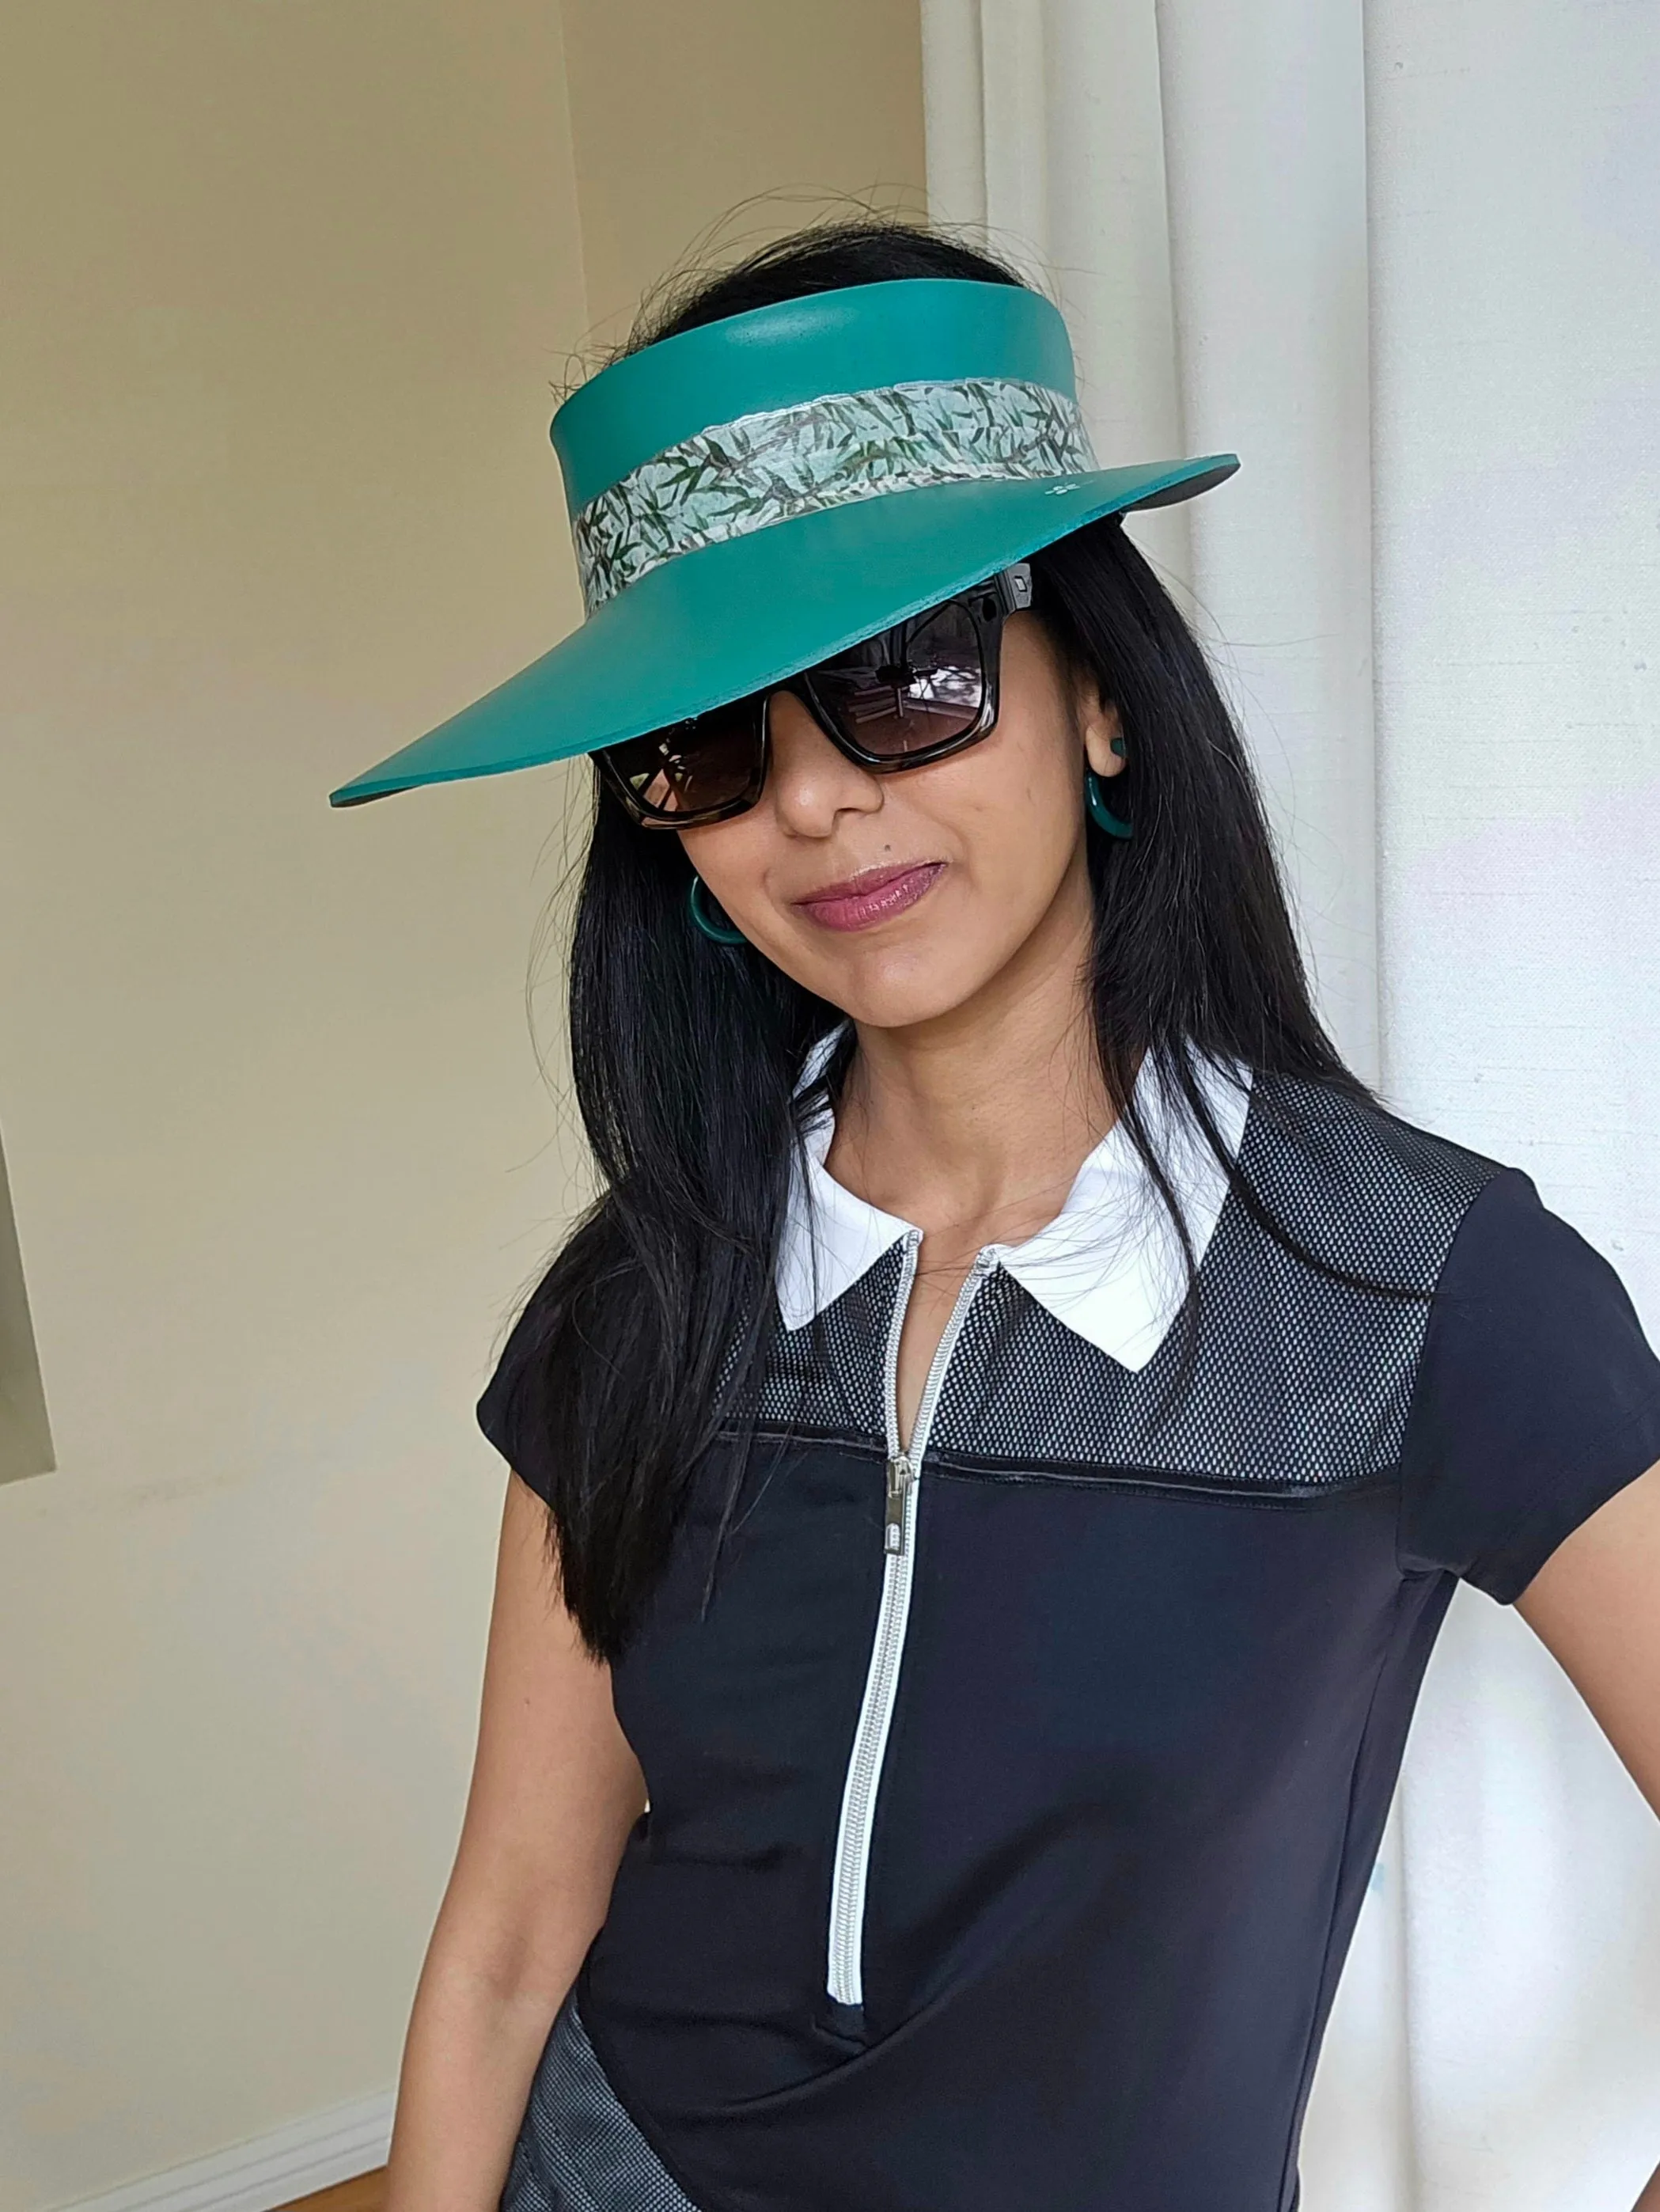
644, 1337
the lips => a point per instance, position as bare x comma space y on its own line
872, 895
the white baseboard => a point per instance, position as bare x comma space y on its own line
331, 2145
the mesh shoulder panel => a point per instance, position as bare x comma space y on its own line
1294, 1380
1275, 1375
826, 1378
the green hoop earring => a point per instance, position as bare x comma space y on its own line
717, 933
1094, 798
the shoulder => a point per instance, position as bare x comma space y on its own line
1365, 1190
1538, 1395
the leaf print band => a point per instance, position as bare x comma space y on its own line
770, 467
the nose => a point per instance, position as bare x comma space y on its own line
810, 781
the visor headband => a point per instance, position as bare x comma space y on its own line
769, 467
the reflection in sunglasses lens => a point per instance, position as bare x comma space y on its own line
710, 761
915, 686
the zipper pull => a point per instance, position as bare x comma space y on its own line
899, 1474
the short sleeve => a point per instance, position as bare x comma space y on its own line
512, 1411
1537, 1396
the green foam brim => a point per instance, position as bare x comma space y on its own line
730, 618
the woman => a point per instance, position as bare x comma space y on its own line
989, 1471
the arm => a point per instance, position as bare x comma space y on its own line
556, 1789
1596, 1605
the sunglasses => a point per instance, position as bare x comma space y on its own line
914, 693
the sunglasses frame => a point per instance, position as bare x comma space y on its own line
988, 606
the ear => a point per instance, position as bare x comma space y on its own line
1099, 725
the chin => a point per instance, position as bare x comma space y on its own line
901, 993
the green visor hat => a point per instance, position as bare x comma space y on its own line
750, 497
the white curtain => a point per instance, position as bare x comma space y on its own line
1404, 257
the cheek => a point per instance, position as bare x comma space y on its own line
732, 858
1007, 824
742, 861
1020, 825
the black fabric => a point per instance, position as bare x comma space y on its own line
1538, 1396
1138, 1771
502, 1409
1161, 1660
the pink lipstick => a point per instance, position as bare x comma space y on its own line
872, 895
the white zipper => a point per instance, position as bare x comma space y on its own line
859, 1800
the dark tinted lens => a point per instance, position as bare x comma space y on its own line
711, 761
917, 685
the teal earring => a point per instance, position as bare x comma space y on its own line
1094, 798
717, 933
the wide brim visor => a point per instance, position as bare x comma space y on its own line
730, 618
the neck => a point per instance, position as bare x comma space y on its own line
974, 1123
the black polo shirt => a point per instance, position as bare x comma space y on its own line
1012, 1802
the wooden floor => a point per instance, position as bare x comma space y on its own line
365, 2194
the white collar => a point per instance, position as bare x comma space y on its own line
1109, 1266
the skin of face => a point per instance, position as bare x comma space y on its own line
1001, 825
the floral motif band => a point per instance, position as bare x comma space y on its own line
770, 467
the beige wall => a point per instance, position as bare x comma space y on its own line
286, 286
801, 100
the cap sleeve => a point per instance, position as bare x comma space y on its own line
1537, 1396
512, 1413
